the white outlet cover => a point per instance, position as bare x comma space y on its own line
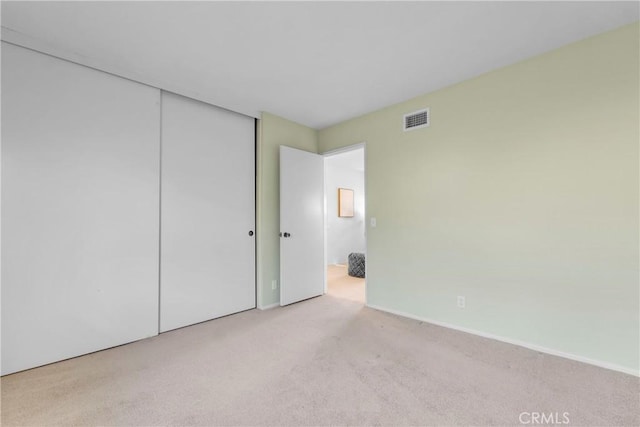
373, 223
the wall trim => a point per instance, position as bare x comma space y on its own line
535, 347
268, 307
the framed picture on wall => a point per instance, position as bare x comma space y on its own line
345, 203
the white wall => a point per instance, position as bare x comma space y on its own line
344, 235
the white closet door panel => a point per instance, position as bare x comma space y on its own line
80, 190
208, 210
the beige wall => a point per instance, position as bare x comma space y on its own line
522, 196
274, 131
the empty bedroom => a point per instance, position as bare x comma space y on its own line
310, 213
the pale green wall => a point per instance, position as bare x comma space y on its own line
274, 131
521, 196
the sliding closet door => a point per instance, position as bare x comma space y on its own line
208, 213
80, 190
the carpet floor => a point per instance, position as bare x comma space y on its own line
324, 361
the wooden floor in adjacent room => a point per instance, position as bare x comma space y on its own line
341, 285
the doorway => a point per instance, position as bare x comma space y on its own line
345, 228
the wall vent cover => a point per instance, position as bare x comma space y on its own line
416, 120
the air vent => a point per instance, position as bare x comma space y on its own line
416, 120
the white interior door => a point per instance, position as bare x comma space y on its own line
301, 225
207, 212
80, 189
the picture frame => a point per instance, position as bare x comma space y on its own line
345, 203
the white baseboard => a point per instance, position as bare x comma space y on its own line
268, 307
530, 346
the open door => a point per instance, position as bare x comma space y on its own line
301, 225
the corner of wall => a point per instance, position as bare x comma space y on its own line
522, 196
273, 131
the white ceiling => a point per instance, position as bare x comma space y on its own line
316, 63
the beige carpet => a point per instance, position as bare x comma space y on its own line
341, 285
325, 361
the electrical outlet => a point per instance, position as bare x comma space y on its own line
461, 302
373, 223
274, 285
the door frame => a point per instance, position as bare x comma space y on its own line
361, 145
